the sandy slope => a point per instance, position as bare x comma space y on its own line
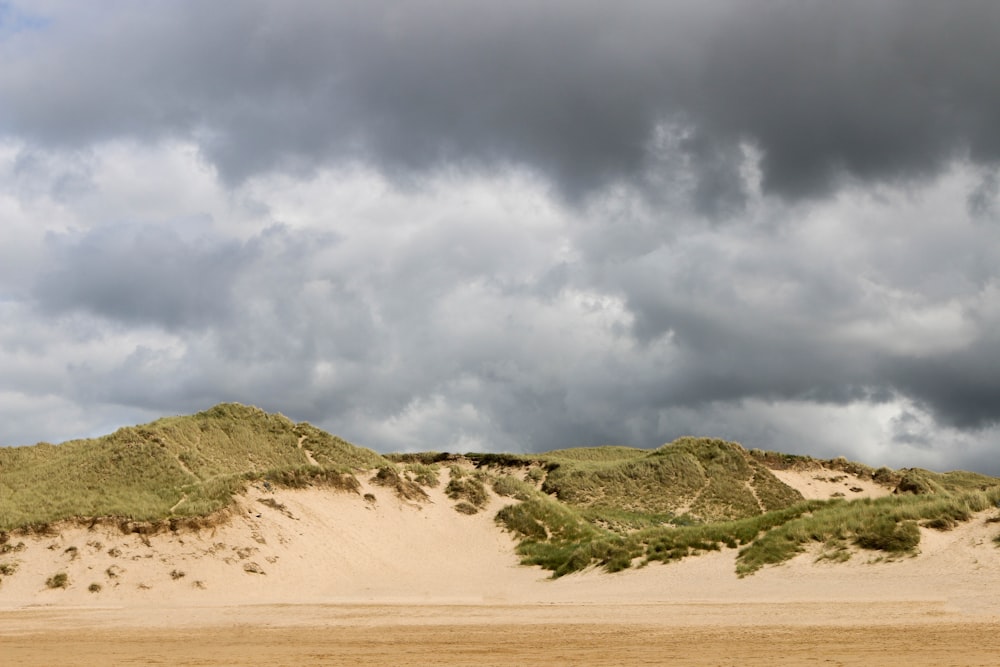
312, 545
819, 482
320, 546
323, 577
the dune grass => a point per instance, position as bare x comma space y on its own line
468, 489
706, 478
390, 477
563, 539
173, 467
423, 474
596, 454
621, 507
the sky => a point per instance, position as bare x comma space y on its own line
516, 226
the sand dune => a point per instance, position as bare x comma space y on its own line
321, 546
321, 557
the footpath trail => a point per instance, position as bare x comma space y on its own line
307, 452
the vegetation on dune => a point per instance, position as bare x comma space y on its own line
570, 509
561, 539
468, 489
607, 453
708, 479
390, 477
614, 509
423, 474
174, 467
425, 458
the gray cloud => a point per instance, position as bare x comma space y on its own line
877, 92
961, 388
141, 275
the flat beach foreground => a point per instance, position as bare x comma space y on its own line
682, 634
319, 577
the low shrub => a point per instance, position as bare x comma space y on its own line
389, 477
511, 487
7, 547
426, 458
59, 580
469, 489
423, 474
466, 508
888, 535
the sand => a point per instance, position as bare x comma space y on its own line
818, 482
317, 576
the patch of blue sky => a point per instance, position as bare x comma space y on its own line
14, 20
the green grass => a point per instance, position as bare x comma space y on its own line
612, 509
423, 474
468, 489
174, 467
596, 454
390, 477
562, 539
705, 478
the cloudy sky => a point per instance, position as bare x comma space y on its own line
508, 226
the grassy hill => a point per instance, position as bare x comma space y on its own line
173, 467
705, 478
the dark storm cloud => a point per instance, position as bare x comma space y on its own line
961, 388
138, 274
874, 91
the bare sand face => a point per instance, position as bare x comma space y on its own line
323, 577
819, 482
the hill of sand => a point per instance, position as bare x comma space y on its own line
322, 576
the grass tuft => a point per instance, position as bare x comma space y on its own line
423, 474
468, 489
388, 476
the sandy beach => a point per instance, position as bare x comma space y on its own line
499, 635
